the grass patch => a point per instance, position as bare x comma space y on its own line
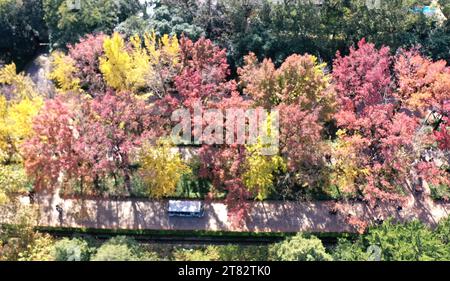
440, 192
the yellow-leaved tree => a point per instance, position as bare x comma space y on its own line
140, 65
260, 170
161, 168
63, 73
164, 61
345, 161
124, 69
19, 103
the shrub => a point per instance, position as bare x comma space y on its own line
300, 248
121, 248
210, 253
71, 250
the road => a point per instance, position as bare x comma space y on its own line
268, 216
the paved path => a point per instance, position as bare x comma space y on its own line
264, 216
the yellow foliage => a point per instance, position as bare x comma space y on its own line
260, 169
301, 79
16, 125
161, 169
16, 112
41, 249
22, 86
164, 61
121, 69
13, 179
140, 64
63, 72
346, 170
165, 49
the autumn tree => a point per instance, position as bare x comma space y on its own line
375, 129
19, 103
204, 73
300, 90
50, 151
85, 56
300, 80
161, 168
88, 141
423, 85
423, 88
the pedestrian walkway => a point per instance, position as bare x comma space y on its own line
269, 216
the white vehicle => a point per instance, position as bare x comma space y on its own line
186, 208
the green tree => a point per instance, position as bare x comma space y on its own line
121, 248
209, 253
176, 18
234, 252
345, 250
22, 28
443, 232
412, 241
67, 24
71, 250
300, 248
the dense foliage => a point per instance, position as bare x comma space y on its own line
365, 122
411, 241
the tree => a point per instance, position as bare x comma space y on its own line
260, 171
50, 151
144, 64
18, 240
13, 181
109, 252
412, 241
67, 25
22, 28
423, 87
303, 148
423, 84
161, 168
88, 140
74, 249
121, 70
64, 72
140, 68
176, 18
210, 253
299, 80
300, 248
234, 252
409, 241
299, 89
346, 250
121, 248
204, 73
19, 103
85, 55
443, 231
371, 119
39, 250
